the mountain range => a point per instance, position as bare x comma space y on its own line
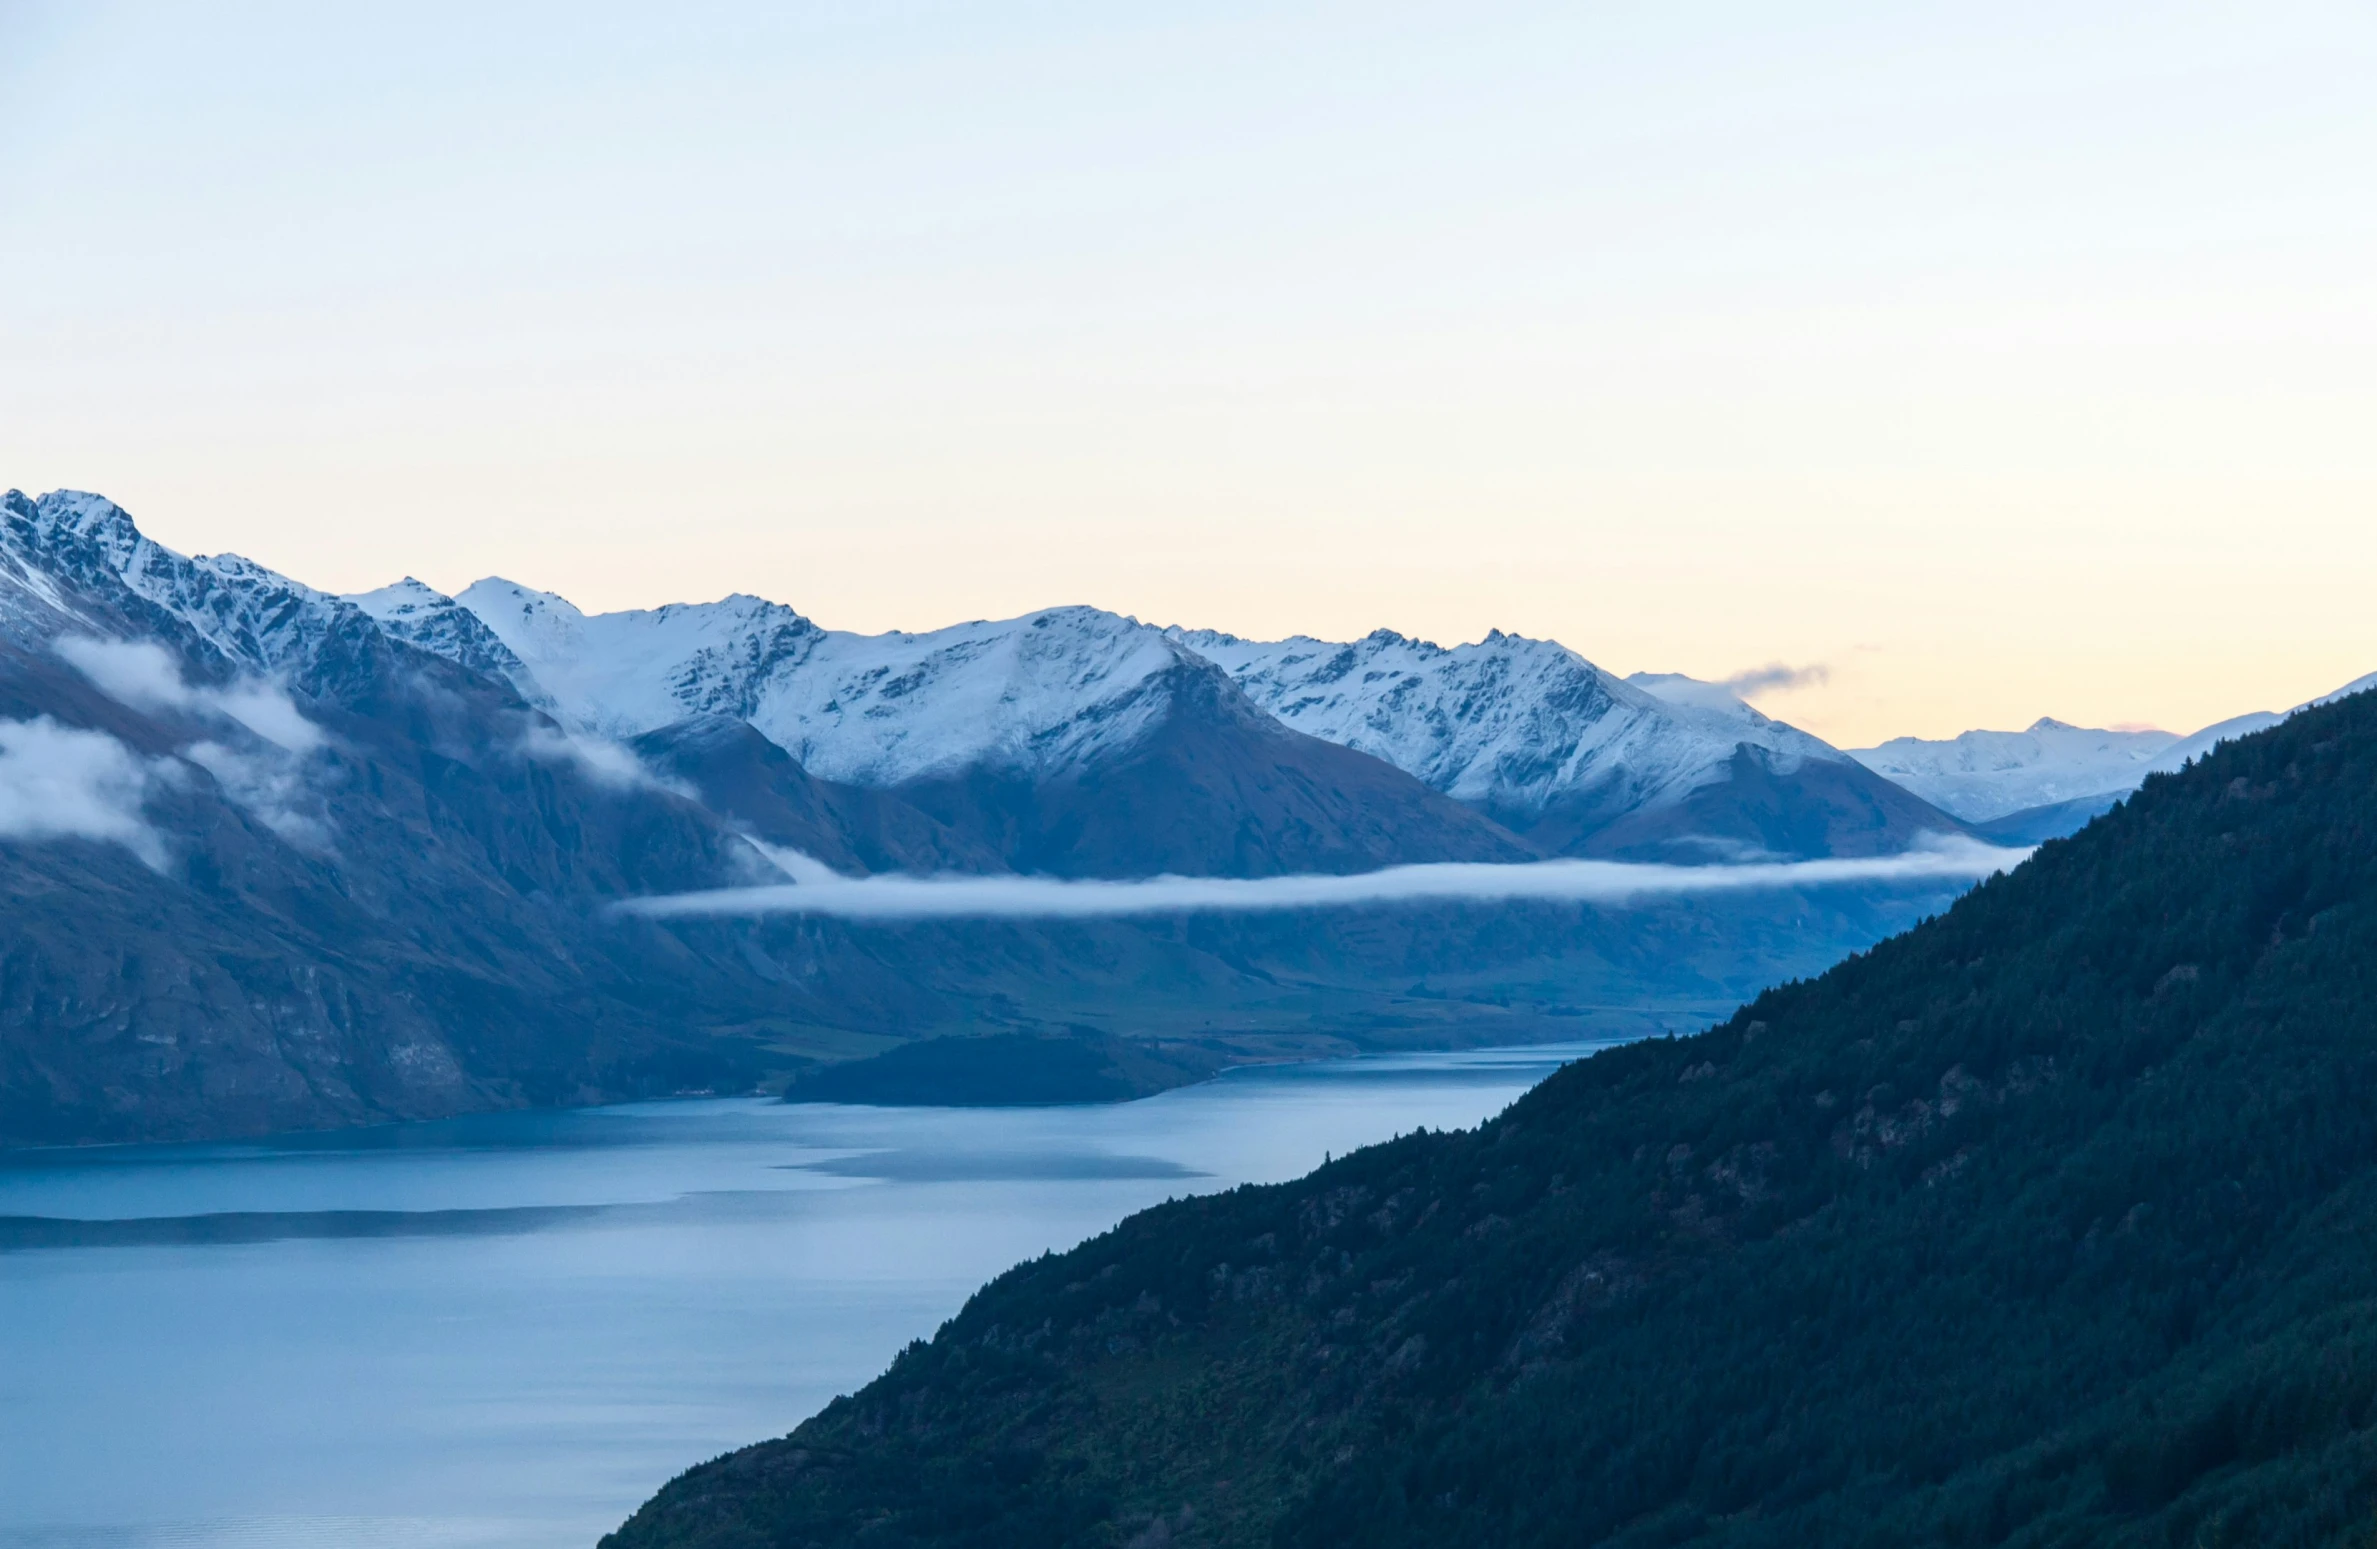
2046, 1223
1563, 756
972, 723
276, 858
2024, 786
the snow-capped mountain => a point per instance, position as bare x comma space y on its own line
989, 730
1986, 776
77, 561
274, 858
1551, 745
1980, 775
1041, 695
1513, 725
266, 865
1070, 741
1524, 731
422, 616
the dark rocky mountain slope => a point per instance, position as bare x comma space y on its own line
406, 925
1766, 805
2052, 1221
1215, 788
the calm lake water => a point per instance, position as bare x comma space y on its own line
505, 1332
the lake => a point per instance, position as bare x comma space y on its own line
506, 1331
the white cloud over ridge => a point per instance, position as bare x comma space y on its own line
267, 781
145, 676
59, 782
271, 787
890, 898
608, 764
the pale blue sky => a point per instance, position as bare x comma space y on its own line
2009, 360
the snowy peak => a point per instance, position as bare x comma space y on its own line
1516, 725
404, 603
422, 616
624, 674
1716, 708
33, 606
1980, 775
76, 564
1041, 694
88, 551
1676, 688
1525, 731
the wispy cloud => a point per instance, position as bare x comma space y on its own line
145, 676
267, 776
59, 782
1778, 678
604, 762
271, 786
1046, 898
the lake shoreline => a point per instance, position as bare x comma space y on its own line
552, 1311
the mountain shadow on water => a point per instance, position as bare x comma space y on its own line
2052, 1221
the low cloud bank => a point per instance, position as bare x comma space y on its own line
58, 782
1045, 898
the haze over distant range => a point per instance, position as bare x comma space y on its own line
2004, 363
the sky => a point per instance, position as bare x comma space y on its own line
1989, 362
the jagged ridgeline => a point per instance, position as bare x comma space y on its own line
2052, 1221
273, 859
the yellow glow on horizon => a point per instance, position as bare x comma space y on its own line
2003, 366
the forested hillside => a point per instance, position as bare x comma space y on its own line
2050, 1222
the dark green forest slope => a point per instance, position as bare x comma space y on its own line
2051, 1222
